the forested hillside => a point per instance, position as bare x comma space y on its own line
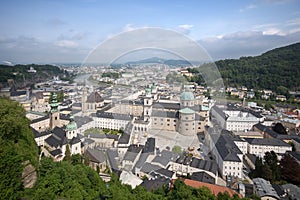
17, 148
278, 67
21, 76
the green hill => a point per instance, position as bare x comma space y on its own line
21, 76
278, 67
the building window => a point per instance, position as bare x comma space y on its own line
168, 120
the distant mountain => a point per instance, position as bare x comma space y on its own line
278, 67
157, 60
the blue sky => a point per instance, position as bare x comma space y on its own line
66, 31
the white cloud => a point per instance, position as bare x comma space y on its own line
66, 44
185, 28
248, 43
293, 22
248, 7
7, 62
128, 27
274, 31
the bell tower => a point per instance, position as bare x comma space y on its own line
54, 113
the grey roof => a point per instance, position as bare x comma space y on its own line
124, 139
203, 177
40, 134
88, 141
18, 93
74, 140
162, 172
251, 157
142, 160
80, 121
264, 188
114, 116
266, 129
198, 163
254, 113
154, 184
219, 111
293, 190
204, 165
58, 137
39, 119
131, 102
295, 155
77, 105
279, 190
266, 142
148, 167
109, 136
165, 157
94, 98
55, 152
64, 117
132, 152
228, 149
95, 155
168, 114
149, 146
168, 106
112, 155
199, 117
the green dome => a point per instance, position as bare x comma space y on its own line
71, 126
187, 96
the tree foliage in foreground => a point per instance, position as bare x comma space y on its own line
17, 146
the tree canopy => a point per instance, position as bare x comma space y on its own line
17, 146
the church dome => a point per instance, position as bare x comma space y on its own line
71, 125
187, 96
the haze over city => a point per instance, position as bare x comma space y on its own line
66, 31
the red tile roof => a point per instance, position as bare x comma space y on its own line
215, 189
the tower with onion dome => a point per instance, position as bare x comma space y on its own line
54, 112
71, 129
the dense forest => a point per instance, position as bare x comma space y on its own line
21, 76
69, 179
275, 68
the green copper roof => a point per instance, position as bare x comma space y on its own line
187, 96
54, 103
148, 90
186, 111
204, 108
72, 125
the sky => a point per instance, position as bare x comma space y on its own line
62, 31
